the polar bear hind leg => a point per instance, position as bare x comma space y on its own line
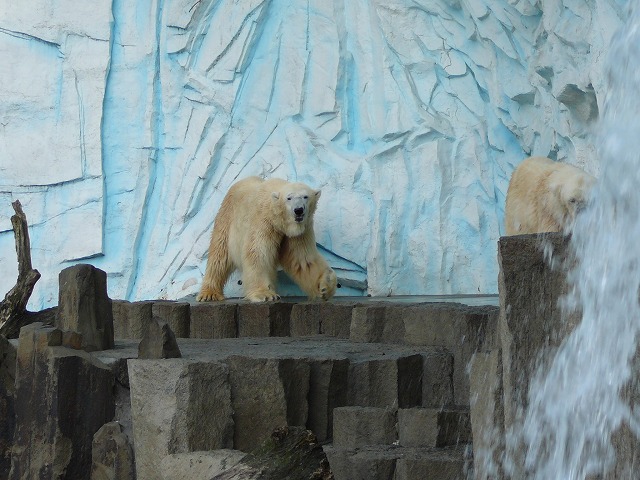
219, 263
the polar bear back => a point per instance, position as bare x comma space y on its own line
544, 196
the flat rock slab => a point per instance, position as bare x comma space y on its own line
312, 348
466, 299
408, 463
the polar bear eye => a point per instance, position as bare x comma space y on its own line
573, 200
306, 197
289, 198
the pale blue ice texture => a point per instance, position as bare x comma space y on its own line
122, 126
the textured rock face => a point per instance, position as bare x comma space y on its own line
279, 387
112, 454
159, 341
65, 397
8, 352
131, 319
409, 116
85, 308
533, 279
178, 407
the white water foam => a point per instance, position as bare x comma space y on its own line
576, 406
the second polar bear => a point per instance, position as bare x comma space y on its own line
262, 224
545, 196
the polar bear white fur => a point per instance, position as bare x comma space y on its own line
545, 196
262, 224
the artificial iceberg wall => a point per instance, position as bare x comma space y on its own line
123, 123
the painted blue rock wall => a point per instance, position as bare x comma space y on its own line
123, 123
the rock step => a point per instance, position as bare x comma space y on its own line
365, 321
364, 374
430, 427
268, 366
386, 462
233, 393
412, 443
461, 329
356, 427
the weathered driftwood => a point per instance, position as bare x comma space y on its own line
13, 309
292, 453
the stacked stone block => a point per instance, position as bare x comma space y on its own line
84, 307
264, 319
460, 329
430, 427
131, 319
175, 314
63, 398
383, 381
267, 394
214, 320
328, 386
177, 407
412, 444
393, 381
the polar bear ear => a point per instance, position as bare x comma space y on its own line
317, 194
275, 195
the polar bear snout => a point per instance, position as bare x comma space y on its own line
579, 198
579, 205
298, 214
297, 205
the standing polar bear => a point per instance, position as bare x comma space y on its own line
545, 196
262, 224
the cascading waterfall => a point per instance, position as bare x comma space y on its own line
576, 405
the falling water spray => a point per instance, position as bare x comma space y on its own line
575, 405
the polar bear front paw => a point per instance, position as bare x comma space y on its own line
209, 295
327, 284
262, 296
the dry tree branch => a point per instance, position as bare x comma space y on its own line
13, 309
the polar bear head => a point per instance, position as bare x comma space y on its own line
571, 189
295, 204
